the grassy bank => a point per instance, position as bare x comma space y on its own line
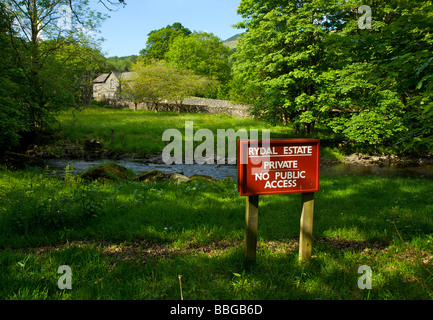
131, 240
141, 131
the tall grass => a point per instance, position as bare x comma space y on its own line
131, 240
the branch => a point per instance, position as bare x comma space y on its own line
17, 18
121, 2
49, 11
75, 14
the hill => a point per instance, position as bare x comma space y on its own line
232, 41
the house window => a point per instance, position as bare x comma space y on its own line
112, 84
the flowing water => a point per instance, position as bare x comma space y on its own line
224, 171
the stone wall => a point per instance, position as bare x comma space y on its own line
191, 105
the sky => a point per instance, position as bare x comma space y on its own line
125, 32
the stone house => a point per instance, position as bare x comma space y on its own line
107, 85
107, 88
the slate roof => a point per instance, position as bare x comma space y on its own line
102, 78
119, 75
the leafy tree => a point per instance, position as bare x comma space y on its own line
121, 64
204, 54
308, 62
12, 117
42, 29
47, 62
74, 67
383, 75
159, 41
280, 58
155, 82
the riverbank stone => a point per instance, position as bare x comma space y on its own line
108, 172
403, 161
156, 175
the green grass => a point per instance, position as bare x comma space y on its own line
141, 131
131, 240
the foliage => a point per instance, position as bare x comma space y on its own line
307, 62
43, 28
48, 63
277, 60
75, 67
154, 82
121, 64
203, 53
386, 81
14, 88
159, 41
200, 52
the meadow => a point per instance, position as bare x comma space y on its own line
132, 240
140, 132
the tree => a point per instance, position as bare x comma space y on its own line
154, 82
12, 115
43, 28
308, 62
159, 41
74, 67
384, 76
47, 62
280, 57
121, 64
204, 54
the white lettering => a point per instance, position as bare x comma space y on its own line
175, 152
293, 164
187, 310
175, 146
204, 153
304, 150
262, 176
364, 21
230, 136
280, 184
289, 175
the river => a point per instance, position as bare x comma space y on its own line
229, 171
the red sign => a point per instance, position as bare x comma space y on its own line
278, 166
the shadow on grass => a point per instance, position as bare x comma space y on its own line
180, 229
347, 208
215, 272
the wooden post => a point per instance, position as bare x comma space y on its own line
306, 237
112, 136
251, 226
